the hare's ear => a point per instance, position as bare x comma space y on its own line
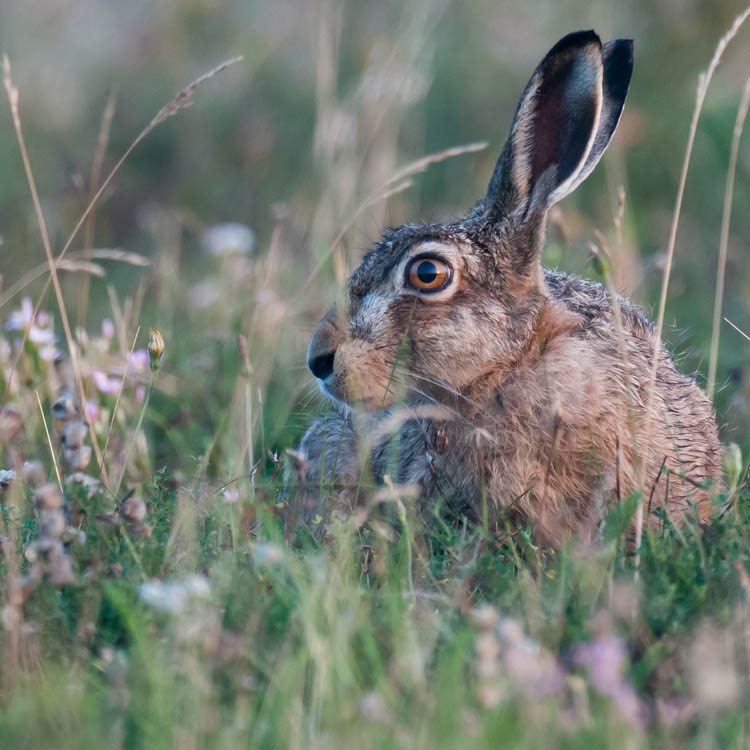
617, 58
564, 121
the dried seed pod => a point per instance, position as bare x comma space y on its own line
48, 497
20, 590
485, 617
60, 569
78, 458
141, 530
51, 524
40, 550
11, 425
33, 473
91, 484
31, 553
74, 433
72, 535
6, 477
133, 509
64, 407
108, 519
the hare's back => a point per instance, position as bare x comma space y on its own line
593, 302
683, 426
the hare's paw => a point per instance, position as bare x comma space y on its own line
321, 471
329, 450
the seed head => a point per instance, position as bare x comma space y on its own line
155, 348
33, 473
51, 524
134, 509
78, 458
74, 433
64, 407
48, 497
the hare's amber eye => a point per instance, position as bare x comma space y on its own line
429, 274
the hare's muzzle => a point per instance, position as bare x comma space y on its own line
321, 351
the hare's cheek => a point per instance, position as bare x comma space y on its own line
363, 374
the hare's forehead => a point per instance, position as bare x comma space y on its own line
455, 253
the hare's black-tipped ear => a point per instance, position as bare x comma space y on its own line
564, 121
617, 58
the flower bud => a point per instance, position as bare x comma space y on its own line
155, 348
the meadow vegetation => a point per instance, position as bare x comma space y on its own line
155, 590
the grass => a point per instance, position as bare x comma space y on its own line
160, 594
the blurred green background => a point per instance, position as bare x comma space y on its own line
330, 100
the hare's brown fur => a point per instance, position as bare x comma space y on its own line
524, 391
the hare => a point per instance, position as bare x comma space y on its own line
488, 382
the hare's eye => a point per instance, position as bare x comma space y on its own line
429, 274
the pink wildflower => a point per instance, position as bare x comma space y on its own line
106, 385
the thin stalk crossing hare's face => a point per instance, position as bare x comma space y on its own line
434, 309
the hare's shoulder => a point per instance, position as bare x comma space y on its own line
594, 303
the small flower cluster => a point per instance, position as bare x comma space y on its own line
509, 663
109, 382
232, 246
47, 554
174, 597
39, 328
191, 615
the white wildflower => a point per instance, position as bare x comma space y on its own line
6, 477
174, 597
231, 238
267, 554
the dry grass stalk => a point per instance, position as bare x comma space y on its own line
119, 396
94, 178
420, 165
73, 262
704, 81
49, 442
181, 100
388, 189
724, 238
739, 330
13, 99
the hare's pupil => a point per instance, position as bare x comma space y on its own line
427, 272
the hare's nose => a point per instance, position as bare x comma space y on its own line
321, 350
322, 365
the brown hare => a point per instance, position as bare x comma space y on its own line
491, 383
